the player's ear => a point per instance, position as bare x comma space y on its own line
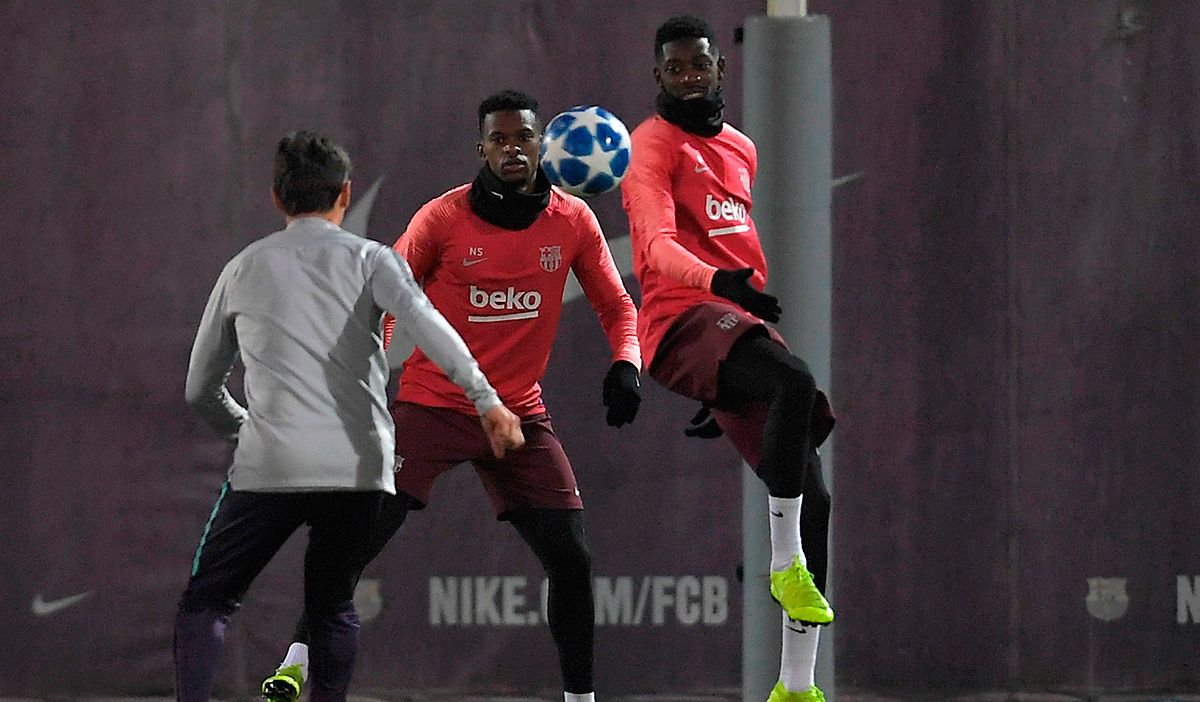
275, 199
343, 200
657, 77
720, 68
479, 149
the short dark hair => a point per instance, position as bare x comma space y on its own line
310, 170
682, 27
506, 100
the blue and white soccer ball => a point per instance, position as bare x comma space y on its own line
585, 150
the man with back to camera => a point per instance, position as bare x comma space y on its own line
493, 256
701, 268
302, 308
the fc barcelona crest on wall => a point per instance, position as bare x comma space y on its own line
551, 258
368, 600
1106, 598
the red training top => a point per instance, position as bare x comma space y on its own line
688, 201
502, 291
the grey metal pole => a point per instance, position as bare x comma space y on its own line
788, 113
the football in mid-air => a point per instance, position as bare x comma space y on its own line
585, 150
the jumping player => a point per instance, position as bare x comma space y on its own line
701, 267
302, 307
493, 256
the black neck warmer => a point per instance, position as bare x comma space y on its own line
703, 117
503, 205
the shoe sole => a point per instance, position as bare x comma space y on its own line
806, 622
278, 691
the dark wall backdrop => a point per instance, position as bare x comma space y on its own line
1016, 334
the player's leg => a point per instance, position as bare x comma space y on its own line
814, 521
557, 539
799, 514
243, 533
534, 488
429, 441
722, 356
289, 678
799, 649
341, 534
760, 370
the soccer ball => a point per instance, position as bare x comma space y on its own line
585, 150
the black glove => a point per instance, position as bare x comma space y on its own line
735, 287
703, 425
622, 393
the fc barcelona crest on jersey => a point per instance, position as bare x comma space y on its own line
551, 258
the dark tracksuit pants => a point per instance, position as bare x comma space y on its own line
245, 530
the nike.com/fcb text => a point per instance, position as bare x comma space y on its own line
508, 600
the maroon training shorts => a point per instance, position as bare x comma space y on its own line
689, 358
432, 440
690, 353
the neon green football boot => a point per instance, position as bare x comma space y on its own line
794, 590
779, 693
284, 685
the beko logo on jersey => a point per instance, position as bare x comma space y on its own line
521, 304
729, 210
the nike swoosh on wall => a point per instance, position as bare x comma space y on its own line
359, 214
44, 608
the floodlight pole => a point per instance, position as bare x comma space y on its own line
787, 110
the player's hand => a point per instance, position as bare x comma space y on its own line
703, 425
734, 285
622, 393
503, 429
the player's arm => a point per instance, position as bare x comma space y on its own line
601, 282
213, 354
421, 243
420, 248
394, 289
649, 200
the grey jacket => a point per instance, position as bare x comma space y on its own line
303, 306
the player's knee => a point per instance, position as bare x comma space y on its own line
569, 558
323, 612
579, 560
796, 386
194, 600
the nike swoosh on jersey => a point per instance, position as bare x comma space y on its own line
468, 262
43, 608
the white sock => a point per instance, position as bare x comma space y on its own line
799, 657
785, 531
297, 654
585, 697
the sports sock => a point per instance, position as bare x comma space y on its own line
585, 697
297, 654
785, 531
799, 657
